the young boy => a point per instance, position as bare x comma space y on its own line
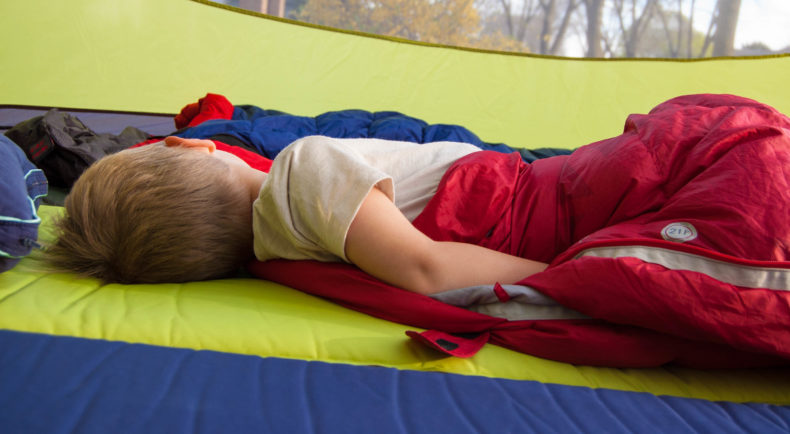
182, 210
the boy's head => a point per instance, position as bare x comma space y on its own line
155, 214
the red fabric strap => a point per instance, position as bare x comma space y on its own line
454, 345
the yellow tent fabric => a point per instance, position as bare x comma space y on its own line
157, 55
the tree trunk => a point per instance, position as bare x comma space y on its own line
549, 11
594, 20
253, 5
726, 22
508, 17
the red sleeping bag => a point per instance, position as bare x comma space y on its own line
672, 239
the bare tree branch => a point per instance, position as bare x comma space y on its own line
709, 34
508, 16
572, 5
665, 26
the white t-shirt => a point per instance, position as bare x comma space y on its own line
317, 184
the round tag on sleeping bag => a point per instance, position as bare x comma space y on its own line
679, 232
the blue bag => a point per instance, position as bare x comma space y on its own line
21, 187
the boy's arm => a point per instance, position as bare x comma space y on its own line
383, 243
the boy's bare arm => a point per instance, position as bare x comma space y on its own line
382, 242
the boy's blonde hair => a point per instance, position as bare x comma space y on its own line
154, 214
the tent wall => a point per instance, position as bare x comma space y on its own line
157, 55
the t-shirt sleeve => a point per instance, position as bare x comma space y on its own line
311, 196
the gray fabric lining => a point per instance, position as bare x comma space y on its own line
525, 303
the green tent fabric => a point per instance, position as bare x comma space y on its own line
157, 55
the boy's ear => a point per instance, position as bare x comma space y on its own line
198, 144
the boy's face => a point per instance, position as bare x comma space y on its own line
249, 177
